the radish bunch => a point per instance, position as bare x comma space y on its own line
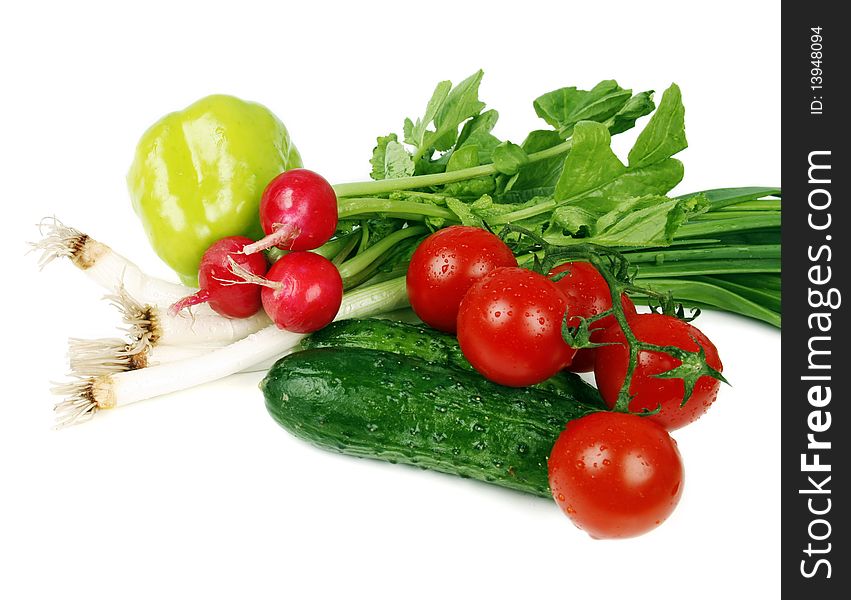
301, 292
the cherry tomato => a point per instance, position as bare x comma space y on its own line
615, 475
445, 265
588, 295
509, 327
650, 392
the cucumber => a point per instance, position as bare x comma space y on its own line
376, 404
420, 341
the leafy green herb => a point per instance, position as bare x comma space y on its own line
448, 108
665, 134
566, 186
563, 109
390, 160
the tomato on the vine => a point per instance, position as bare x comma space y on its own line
615, 475
509, 327
445, 265
587, 295
649, 391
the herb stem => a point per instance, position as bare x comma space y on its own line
355, 265
709, 267
753, 251
348, 208
709, 228
385, 186
712, 295
751, 205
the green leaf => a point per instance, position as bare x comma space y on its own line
416, 133
508, 158
590, 163
397, 161
464, 213
535, 179
564, 108
637, 222
378, 154
664, 135
461, 104
592, 169
447, 109
484, 141
648, 220
483, 123
600, 198
636, 107
471, 188
463, 158
390, 160
656, 179
574, 220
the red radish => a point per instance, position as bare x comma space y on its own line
227, 296
298, 211
302, 292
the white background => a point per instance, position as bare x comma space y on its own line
200, 494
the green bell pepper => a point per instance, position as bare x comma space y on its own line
198, 175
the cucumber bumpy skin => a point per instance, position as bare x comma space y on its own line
420, 341
391, 407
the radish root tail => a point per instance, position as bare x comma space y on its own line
246, 276
282, 235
